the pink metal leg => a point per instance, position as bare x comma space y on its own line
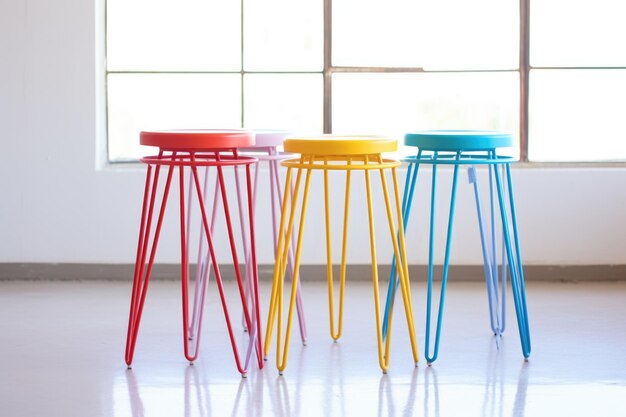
203, 262
276, 200
245, 240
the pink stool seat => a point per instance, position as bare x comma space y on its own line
269, 138
201, 139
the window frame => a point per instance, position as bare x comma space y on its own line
328, 70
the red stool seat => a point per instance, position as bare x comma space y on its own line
198, 140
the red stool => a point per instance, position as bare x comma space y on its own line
194, 149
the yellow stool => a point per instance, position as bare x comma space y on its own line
338, 153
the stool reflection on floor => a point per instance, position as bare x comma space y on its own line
348, 154
470, 148
191, 149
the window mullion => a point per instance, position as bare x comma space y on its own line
524, 69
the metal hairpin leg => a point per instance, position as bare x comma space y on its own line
276, 302
514, 259
407, 199
141, 280
496, 287
276, 202
276, 299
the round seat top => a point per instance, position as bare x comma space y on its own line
458, 140
269, 138
197, 139
340, 145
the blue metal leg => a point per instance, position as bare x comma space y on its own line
490, 275
526, 346
444, 280
407, 200
515, 265
499, 280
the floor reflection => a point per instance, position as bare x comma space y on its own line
578, 368
431, 392
387, 403
335, 393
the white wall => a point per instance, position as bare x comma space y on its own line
57, 204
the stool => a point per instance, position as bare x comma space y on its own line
193, 149
265, 149
470, 148
336, 153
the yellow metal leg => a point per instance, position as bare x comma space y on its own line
383, 356
288, 219
400, 254
279, 266
282, 249
281, 357
336, 334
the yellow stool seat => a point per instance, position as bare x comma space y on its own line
340, 145
336, 155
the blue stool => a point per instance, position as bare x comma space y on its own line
470, 148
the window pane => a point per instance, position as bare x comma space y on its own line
283, 35
577, 33
577, 115
450, 34
478, 34
366, 34
284, 101
396, 103
168, 101
168, 35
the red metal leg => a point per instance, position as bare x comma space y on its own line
143, 270
185, 273
218, 278
141, 280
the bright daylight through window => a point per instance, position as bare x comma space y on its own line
552, 72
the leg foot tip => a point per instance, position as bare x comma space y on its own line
429, 364
280, 373
128, 367
244, 375
265, 359
190, 363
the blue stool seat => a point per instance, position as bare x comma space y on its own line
470, 148
453, 140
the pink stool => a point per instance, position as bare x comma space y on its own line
265, 149
193, 149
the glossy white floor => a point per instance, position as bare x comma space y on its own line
62, 343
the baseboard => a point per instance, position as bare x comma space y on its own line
418, 273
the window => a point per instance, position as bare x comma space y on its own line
365, 66
577, 97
